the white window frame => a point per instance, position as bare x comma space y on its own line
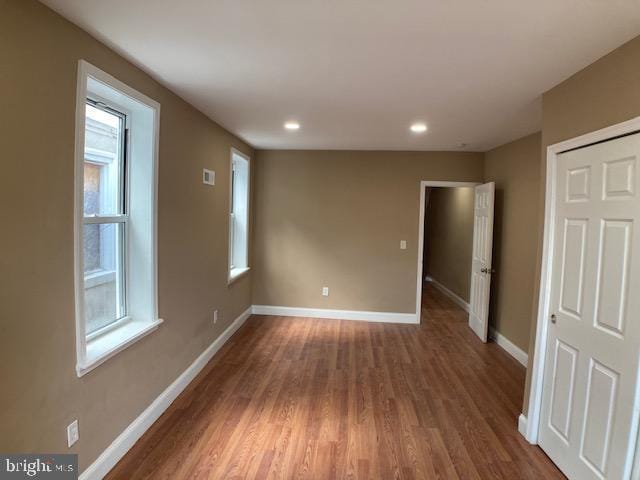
236, 272
102, 158
94, 349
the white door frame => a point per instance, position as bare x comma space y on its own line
529, 426
423, 188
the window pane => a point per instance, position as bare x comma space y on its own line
233, 188
239, 219
103, 274
103, 162
232, 237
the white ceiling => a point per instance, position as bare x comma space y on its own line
357, 73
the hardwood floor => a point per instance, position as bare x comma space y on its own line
304, 398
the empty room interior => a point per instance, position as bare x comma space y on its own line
321, 240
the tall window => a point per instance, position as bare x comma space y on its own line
104, 216
239, 216
116, 157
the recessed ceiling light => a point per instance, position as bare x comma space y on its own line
292, 125
418, 127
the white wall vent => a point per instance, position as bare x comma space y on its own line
208, 177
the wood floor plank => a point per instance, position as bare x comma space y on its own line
301, 398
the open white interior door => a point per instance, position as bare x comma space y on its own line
481, 263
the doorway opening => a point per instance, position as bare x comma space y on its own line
455, 246
448, 243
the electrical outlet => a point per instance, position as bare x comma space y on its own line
215, 316
73, 434
403, 244
325, 291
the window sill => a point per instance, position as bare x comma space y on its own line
113, 341
237, 273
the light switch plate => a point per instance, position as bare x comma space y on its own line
403, 244
208, 177
325, 291
73, 434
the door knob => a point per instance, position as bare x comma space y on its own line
553, 318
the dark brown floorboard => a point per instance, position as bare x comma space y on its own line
321, 399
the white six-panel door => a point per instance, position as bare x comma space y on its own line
481, 259
588, 422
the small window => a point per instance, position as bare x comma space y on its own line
239, 216
116, 164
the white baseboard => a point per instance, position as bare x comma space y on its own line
453, 296
387, 317
121, 445
516, 352
522, 425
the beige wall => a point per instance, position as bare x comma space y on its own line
336, 218
449, 238
514, 168
321, 218
604, 93
41, 393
